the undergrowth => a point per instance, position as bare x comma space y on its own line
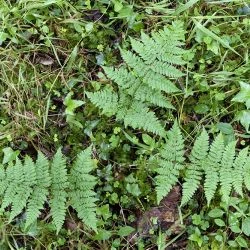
159, 89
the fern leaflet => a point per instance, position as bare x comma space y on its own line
27, 180
40, 189
170, 163
238, 168
211, 167
225, 171
195, 170
82, 184
58, 189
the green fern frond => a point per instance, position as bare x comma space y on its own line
3, 184
82, 184
152, 53
149, 70
106, 99
28, 179
151, 96
194, 171
40, 190
59, 183
238, 169
14, 179
171, 162
159, 82
143, 50
211, 167
246, 174
152, 76
166, 69
134, 62
28, 184
140, 117
121, 76
225, 171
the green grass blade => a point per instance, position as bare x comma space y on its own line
186, 6
214, 36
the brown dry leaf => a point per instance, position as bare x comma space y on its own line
163, 216
44, 60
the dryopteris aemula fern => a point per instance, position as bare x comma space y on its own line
193, 173
82, 183
220, 167
29, 185
149, 73
170, 162
59, 183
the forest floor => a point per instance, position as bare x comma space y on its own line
52, 53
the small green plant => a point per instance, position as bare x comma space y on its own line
71, 106
28, 185
145, 79
232, 216
243, 97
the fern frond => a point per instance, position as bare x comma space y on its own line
121, 76
106, 99
238, 169
144, 77
59, 183
139, 117
166, 69
225, 171
152, 76
82, 184
151, 53
171, 162
211, 167
134, 62
171, 35
14, 179
151, 96
3, 184
28, 179
246, 174
40, 190
195, 170
159, 82
144, 52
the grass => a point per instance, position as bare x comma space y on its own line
49, 49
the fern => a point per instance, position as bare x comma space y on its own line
58, 189
27, 180
144, 81
194, 172
105, 100
14, 180
170, 163
226, 171
246, 174
216, 161
149, 122
40, 190
82, 183
238, 170
3, 184
29, 185
211, 167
